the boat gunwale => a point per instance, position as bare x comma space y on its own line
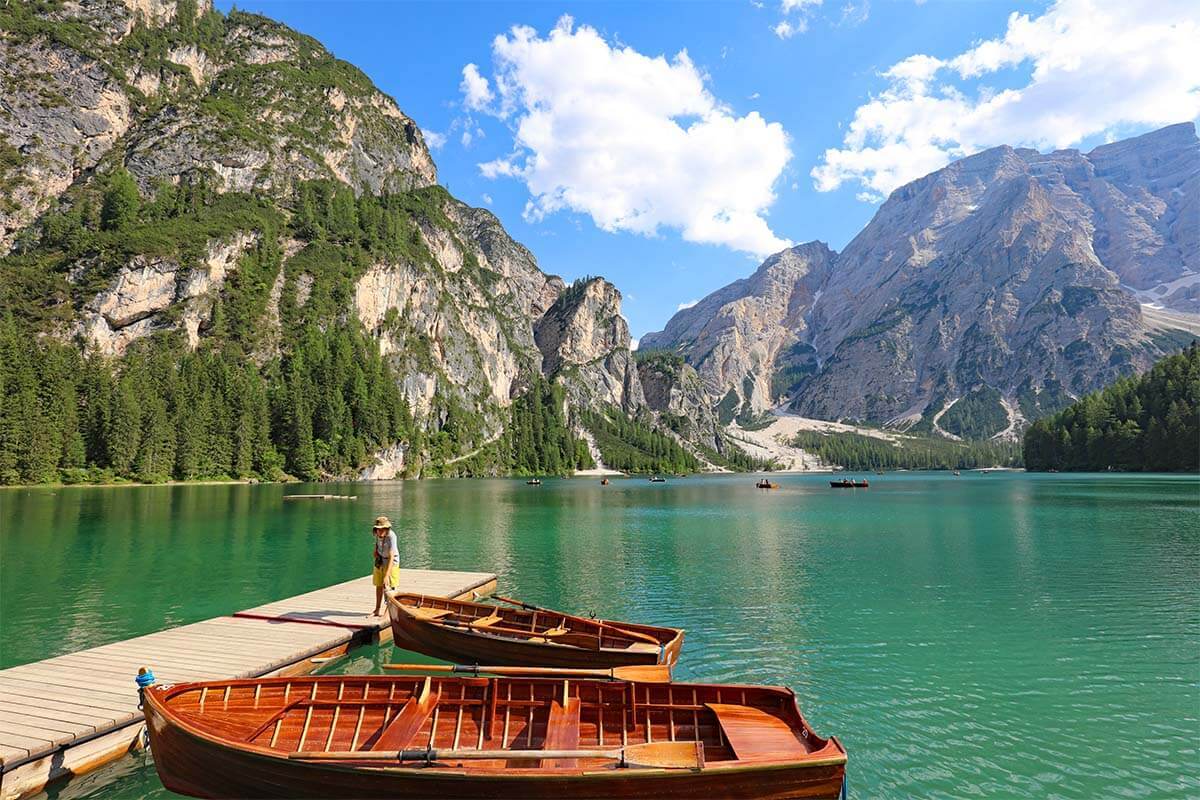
157, 699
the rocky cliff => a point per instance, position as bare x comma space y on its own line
170, 171
741, 337
1004, 284
584, 341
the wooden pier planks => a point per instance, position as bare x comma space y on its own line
72, 698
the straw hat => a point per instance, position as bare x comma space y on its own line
383, 522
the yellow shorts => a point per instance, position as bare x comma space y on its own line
387, 574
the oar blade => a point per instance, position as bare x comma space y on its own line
643, 673
665, 755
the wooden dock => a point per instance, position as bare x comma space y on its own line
70, 714
320, 497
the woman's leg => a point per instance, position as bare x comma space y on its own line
378, 600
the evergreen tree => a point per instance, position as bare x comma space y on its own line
1150, 423
121, 201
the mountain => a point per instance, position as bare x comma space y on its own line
742, 337
987, 293
207, 222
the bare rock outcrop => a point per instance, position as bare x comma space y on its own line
153, 293
584, 342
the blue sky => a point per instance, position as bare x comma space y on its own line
606, 153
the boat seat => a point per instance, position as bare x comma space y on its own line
400, 732
484, 622
642, 647
429, 613
755, 735
555, 632
562, 732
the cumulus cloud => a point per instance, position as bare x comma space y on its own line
477, 92
433, 139
688, 304
794, 17
785, 29
636, 142
487, 198
1093, 68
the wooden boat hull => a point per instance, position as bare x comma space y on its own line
469, 645
194, 761
840, 485
192, 766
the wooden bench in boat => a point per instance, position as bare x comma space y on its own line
404, 727
484, 622
562, 729
430, 613
755, 735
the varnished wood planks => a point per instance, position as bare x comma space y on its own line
71, 698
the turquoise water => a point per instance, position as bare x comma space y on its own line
1001, 635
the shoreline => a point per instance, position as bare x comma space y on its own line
124, 484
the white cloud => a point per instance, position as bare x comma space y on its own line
754, 96
633, 343
433, 139
477, 92
487, 199
786, 30
794, 17
688, 304
1093, 67
636, 142
855, 13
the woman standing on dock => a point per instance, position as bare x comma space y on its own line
387, 561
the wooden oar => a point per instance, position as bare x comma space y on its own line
639, 673
601, 622
517, 603
654, 755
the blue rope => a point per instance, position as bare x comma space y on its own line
845, 786
145, 679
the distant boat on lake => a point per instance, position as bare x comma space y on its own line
534, 482
846, 483
657, 479
766, 484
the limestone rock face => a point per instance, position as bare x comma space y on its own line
735, 336
141, 297
584, 340
64, 111
674, 390
286, 128
389, 464
1012, 270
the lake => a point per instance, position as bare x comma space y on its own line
998, 635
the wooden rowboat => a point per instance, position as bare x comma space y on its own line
849, 484
477, 633
544, 738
